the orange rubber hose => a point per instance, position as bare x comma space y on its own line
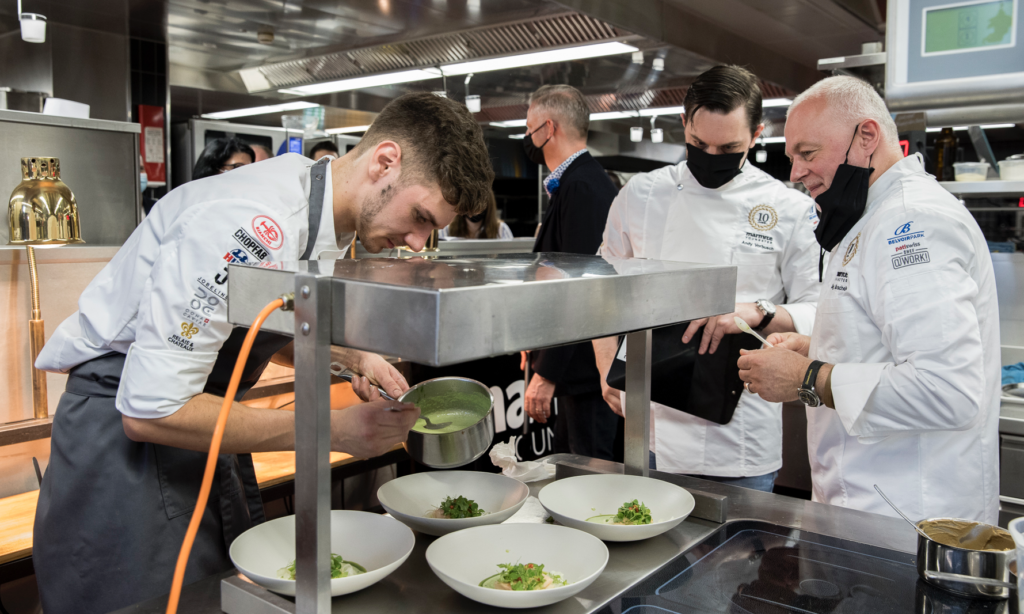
211, 460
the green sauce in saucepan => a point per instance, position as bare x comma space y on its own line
460, 409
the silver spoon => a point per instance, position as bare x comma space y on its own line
348, 375
912, 523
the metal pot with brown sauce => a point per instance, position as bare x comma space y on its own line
456, 424
966, 557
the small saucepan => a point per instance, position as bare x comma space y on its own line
464, 406
977, 573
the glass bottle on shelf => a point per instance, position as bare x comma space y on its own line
945, 155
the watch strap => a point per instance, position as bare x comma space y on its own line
766, 318
811, 376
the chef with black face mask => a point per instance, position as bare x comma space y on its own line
718, 208
901, 374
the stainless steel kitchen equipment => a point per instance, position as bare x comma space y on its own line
444, 311
979, 574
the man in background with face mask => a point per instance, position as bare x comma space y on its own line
901, 375
580, 193
717, 208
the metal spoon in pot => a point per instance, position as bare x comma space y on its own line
893, 506
348, 375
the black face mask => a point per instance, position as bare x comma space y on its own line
533, 153
712, 170
842, 204
476, 219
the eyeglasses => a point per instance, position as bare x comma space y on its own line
231, 167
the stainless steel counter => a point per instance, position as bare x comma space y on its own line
415, 588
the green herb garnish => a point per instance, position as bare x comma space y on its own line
460, 507
520, 577
340, 568
633, 512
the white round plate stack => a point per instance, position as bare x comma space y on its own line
572, 500
465, 558
378, 543
411, 497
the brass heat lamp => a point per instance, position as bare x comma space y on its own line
42, 212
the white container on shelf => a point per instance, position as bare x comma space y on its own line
1012, 170
971, 171
1016, 527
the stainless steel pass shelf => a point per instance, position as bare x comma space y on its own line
985, 189
454, 309
852, 61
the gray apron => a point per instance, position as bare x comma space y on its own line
112, 512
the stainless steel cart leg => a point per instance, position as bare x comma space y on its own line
312, 444
638, 403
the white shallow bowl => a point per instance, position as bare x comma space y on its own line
409, 498
572, 500
378, 543
463, 559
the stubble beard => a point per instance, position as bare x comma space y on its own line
368, 215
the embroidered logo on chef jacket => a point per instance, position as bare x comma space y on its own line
184, 344
842, 281
763, 218
195, 318
204, 299
908, 249
851, 251
268, 232
251, 245
188, 329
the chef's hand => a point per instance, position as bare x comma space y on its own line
375, 370
719, 326
801, 344
523, 357
369, 430
774, 374
538, 398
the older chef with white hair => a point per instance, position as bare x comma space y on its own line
901, 373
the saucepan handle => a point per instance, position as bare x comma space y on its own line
339, 371
955, 577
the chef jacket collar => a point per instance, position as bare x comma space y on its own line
908, 166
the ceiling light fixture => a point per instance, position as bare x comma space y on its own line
271, 108
776, 102
464, 68
773, 139
33, 26
347, 129
512, 123
662, 111
638, 57
658, 64
983, 127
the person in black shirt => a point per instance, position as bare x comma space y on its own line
581, 195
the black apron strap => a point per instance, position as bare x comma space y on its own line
318, 176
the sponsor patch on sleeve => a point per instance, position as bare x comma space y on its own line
268, 232
908, 246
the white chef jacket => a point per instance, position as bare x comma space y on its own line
161, 299
908, 315
767, 230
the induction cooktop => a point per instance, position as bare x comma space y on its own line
760, 568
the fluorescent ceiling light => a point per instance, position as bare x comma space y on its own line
292, 92
356, 83
347, 129
612, 115
538, 57
772, 139
983, 127
514, 123
517, 136
464, 68
272, 108
662, 111
776, 102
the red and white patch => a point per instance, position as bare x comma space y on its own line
268, 232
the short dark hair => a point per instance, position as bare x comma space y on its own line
441, 142
567, 103
327, 146
722, 89
217, 152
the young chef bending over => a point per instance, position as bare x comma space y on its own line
907, 327
150, 350
716, 208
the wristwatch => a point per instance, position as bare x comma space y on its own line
808, 395
767, 309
